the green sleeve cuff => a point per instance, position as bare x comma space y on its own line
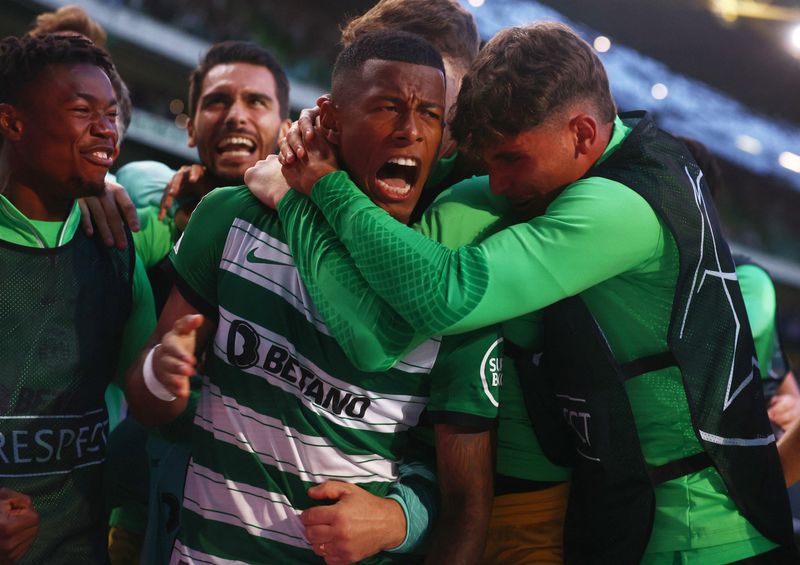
417, 494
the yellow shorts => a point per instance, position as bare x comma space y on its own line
527, 527
124, 546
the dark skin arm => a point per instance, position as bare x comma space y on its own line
465, 464
183, 333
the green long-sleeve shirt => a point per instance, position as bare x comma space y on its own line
598, 238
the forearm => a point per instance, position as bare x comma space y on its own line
143, 404
517, 270
466, 486
371, 333
430, 294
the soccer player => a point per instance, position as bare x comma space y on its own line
281, 408
74, 312
239, 103
531, 492
108, 212
645, 367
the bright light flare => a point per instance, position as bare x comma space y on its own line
790, 161
659, 91
476, 3
749, 144
602, 44
794, 37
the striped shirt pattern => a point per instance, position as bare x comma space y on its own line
281, 408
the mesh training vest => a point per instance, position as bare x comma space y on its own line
62, 314
577, 389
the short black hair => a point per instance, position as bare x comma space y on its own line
22, 59
239, 52
385, 46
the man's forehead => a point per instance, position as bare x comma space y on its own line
239, 76
381, 74
66, 80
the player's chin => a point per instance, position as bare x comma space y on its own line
93, 187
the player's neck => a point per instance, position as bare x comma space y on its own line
35, 205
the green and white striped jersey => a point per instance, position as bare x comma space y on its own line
282, 408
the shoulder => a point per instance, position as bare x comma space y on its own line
464, 213
473, 193
218, 212
139, 172
607, 204
145, 181
755, 282
225, 203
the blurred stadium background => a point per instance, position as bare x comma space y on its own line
726, 72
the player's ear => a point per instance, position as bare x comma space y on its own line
584, 131
329, 120
11, 124
192, 142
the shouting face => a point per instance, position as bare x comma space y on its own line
237, 119
388, 131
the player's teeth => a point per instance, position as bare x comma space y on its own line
237, 141
404, 161
394, 189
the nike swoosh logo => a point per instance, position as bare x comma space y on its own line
253, 258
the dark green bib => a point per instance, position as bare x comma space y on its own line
576, 394
62, 314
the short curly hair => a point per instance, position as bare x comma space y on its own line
524, 75
70, 18
22, 59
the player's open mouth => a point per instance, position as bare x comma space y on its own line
398, 175
236, 146
100, 156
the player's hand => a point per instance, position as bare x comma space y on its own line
266, 182
302, 174
292, 146
358, 525
174, 361
109, 212
189, 179
784, 410
19, 524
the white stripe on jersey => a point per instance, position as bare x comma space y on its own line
267, 262
183, 555
312, 458
387, 413
260, 512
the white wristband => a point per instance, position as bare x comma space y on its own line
151, 382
